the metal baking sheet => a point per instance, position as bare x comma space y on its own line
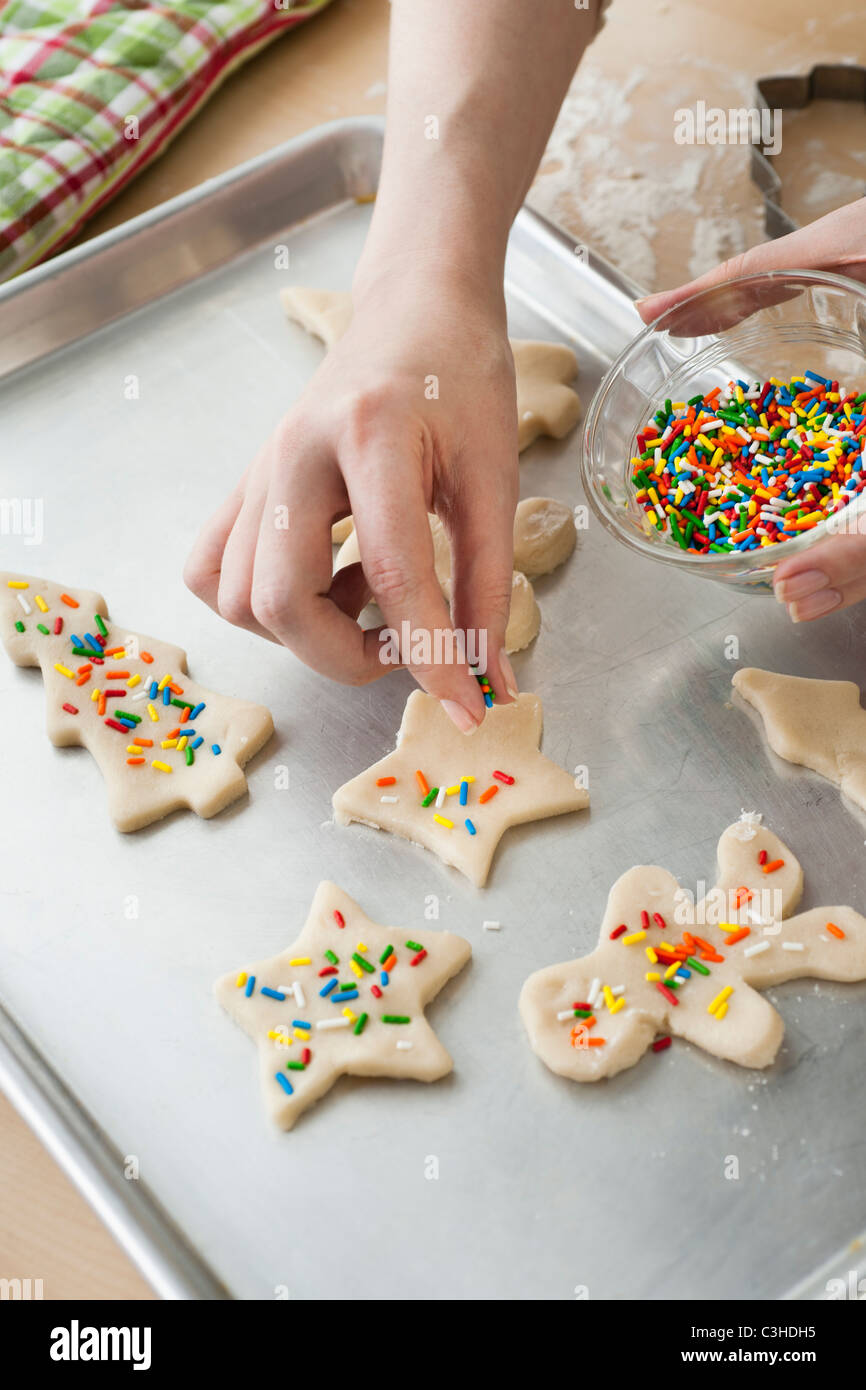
109, 944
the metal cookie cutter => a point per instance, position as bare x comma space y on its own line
826, 82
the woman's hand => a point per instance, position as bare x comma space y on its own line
831, 574
413, 411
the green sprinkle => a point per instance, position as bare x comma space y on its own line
19, 626
582, 1013
183, 704
364, 964
42, 628
296, 1066
83, 651
395, 1018
431, 796
189, 755
123, 714
329, 955
101, 625
414, 946
360, 1025
696, 965
385, 954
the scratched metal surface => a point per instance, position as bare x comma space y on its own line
543, 1186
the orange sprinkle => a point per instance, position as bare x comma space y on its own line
101, 705
143, 742
835, 931
596, 1042
488, 795
175, 689
742, 895
86, 667
773, 866
422, 783
112, 651
736, 936
146, 656
184, 715
117, 675
390, 962
69, 600
173, 733
83, 678
134, 762
385, 781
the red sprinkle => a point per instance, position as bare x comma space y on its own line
659, 920
305, 1056
762, 857
504, 777
416, 960
330, 970
339, 918
644, 920
580, 1005
113, 724
58, 625
618, 931
668, 993
374, 989
114, 694
661, 1043
70, 709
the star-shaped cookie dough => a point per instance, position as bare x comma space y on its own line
818, 724
348, 998
161, 740
666, 966
474, 786
546, 403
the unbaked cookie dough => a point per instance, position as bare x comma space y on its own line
457, 794
665, 966
161, 740
347, 997
546, 403
817, 724
544, 537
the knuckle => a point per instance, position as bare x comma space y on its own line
195, 575
234, 606
363, 413
388, 579
271, 606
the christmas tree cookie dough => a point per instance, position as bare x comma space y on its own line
347, 997
161, 740
546, 403
818, 724
666, 966
456, 794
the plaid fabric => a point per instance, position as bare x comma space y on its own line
92, 90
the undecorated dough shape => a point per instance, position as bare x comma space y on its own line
750, 1030
408, 1050
546, 403
342, 530
507, 741
140, 794
817, 724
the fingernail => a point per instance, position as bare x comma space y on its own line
814, 605
800, 585
465, 722
507, 673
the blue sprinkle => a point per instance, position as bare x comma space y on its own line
194, 713
75, 640
464, 792
88, 637
197, 742
346, 995
166, 696
470, 827
488, 700
384, 977
215, 748
285, 1083
127, 723
272, 993
251, 984
299, 1023
331, 985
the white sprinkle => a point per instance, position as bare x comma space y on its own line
491, 926
617, 989
389, 800
404, 1046
24, 604
299, 995
757, 948
793, 946
440, 799
140, 695
333, 1023
592, 997
564, 1013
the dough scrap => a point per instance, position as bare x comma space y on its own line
407, 1049
817, 724
749, 1030
506, 742
546, 403
137, 794
544, 537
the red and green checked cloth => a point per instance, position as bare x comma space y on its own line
92, 90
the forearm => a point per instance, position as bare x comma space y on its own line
474, 89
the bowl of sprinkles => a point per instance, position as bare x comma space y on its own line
732, 431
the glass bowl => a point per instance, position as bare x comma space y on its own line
776, 324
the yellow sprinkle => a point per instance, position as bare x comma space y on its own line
241, 979
168, 743
608, 996
467, 779
280, 1035
166, 680
442, 820
182, 742
720, 998
652, 975
94, 695
153, 714
133, 680
362, 946
620, 1004
302, 1034
721, 1011
452, 791
118, 656
41, 602
160, 767
300, 960
729, 926
672, 970
64, 670
17, 584
651, 955
635, 937
356, 969
347, 1013
134, 748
